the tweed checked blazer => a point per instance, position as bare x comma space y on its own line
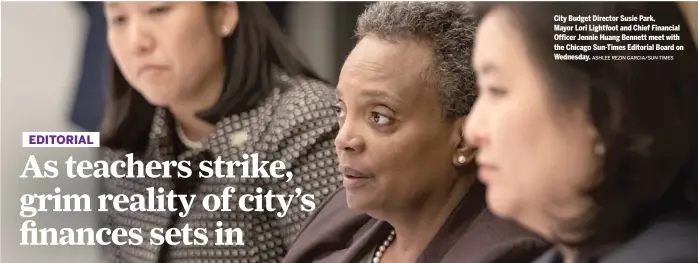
296, 125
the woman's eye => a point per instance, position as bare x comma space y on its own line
497, 92
159, 10
380, 119
118, 20
339, 111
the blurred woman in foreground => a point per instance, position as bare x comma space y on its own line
599, 157
207, 80
410, 192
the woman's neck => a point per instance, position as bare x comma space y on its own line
606, 237
185, 109
415, 228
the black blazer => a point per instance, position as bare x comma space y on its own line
336, 234
673, 239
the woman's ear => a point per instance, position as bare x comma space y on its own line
229, 16
464, 153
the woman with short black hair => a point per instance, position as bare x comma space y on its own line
410, 191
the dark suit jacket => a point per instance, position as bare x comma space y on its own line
471, 234
672, 239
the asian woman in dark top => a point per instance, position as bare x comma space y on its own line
599, 157
196, 81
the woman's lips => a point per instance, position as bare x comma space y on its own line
485, 171
353, 178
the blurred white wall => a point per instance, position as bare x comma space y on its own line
41, 54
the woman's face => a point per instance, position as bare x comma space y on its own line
395, 149
535, 153
167, 50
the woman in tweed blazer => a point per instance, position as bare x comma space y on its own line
202, 81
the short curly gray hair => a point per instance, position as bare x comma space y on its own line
449, 27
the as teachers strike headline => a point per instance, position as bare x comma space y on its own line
156, 199
249, 167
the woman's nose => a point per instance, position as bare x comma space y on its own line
141, 40
349, 139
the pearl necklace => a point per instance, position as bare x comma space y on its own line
381, 250
189, 143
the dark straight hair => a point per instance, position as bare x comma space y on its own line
256, 45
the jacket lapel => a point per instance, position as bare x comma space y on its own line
457, 223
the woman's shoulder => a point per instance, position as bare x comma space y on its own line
304, 107
490, 239
332, 213
673, 239
333, 225
302, 94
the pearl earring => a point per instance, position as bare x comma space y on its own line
599, 148
462, 159
225, 31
